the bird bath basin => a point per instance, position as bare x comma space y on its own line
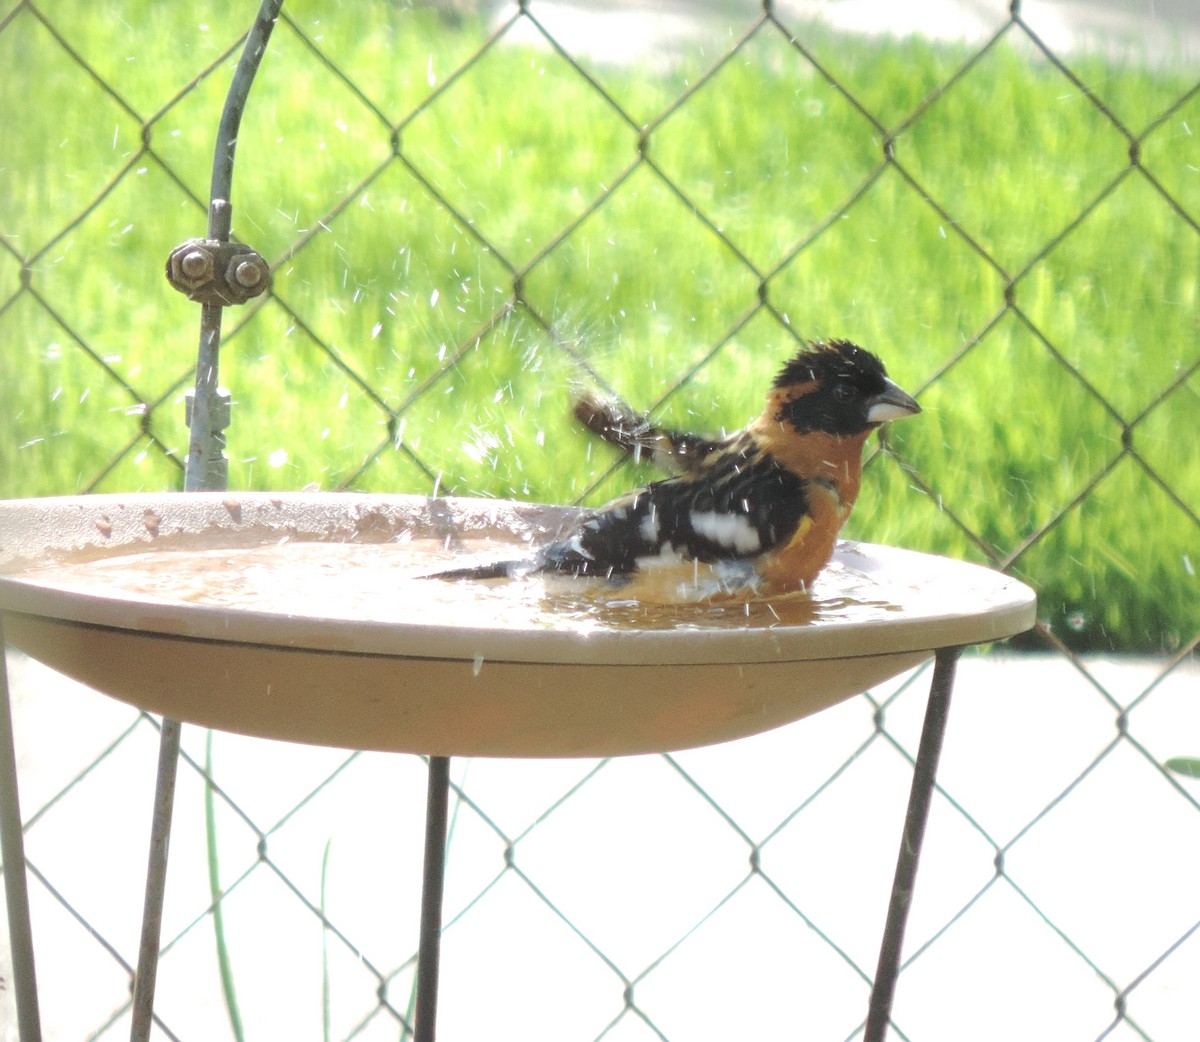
301, 617
304, 617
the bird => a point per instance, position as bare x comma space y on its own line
755, 512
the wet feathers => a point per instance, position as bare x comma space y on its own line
758, 510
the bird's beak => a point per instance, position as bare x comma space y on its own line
891, 404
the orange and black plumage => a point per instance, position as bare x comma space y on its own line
759, 509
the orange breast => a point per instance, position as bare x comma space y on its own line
797, 564
815, 455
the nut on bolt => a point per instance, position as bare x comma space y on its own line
213, 272
249, 272
191, 265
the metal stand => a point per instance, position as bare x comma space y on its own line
888, 970
429, 952
16, 886
215, 275
156, 882
437, 808
919, 800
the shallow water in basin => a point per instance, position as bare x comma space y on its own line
382, 582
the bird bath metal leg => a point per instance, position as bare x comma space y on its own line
156, 882
919, 800
429, 952
16, 888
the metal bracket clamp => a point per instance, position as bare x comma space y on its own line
209, 271
210, 469
220, 405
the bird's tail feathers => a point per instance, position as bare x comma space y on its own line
489, 570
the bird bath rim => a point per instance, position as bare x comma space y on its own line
42, 532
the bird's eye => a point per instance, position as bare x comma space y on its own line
843, 392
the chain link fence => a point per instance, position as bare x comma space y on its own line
725, 892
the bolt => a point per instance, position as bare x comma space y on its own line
191, 266
249, 271
195, 264
248, 274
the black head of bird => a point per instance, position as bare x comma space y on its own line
837, 388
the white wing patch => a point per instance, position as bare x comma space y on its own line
667, 557
648, 528
729, 530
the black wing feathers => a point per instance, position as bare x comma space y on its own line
736, 504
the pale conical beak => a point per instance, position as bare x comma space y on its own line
891, 404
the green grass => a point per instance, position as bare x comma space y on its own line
641, 291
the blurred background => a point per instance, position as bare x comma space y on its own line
471, 209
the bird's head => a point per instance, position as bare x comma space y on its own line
835, 387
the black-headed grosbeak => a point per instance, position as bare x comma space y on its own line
755, 511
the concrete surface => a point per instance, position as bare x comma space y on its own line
653, 875
1155, 31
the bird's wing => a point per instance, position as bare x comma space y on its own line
737, 505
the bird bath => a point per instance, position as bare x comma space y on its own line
301, 617
304, 617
